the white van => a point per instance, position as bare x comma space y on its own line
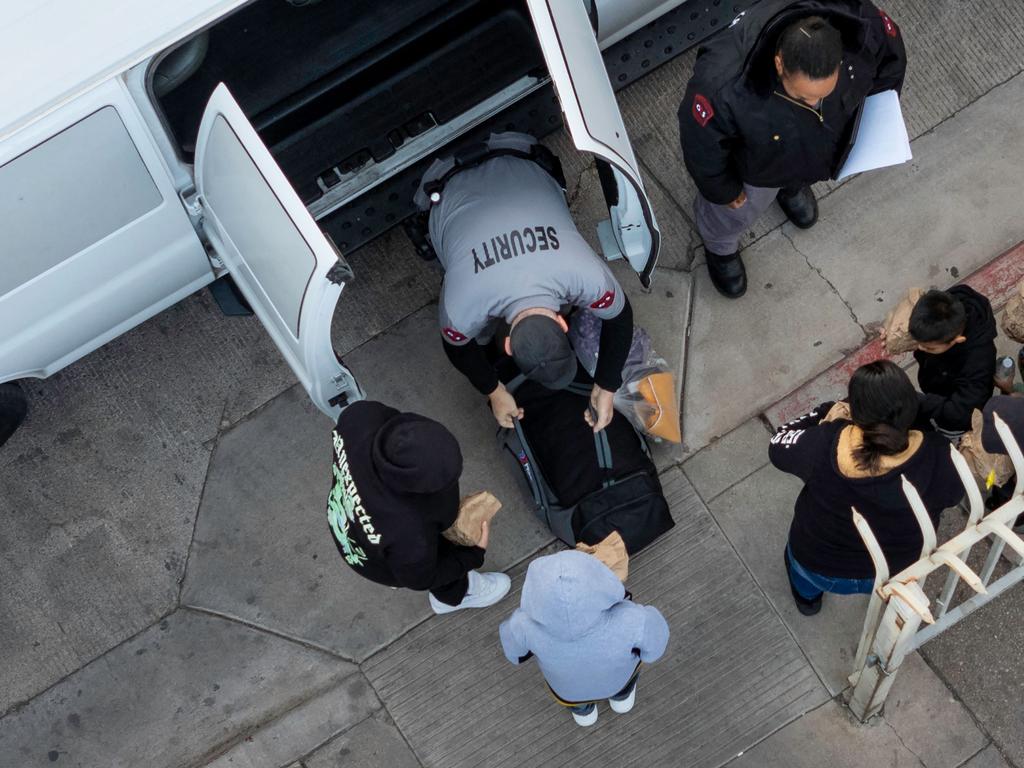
147, 149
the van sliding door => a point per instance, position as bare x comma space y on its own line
593, 120
287, 269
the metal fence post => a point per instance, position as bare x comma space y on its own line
893, 640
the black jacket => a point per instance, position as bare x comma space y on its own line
736, 129
960, 379
386, 518
822, 536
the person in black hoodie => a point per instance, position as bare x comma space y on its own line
955, 332
860, 462
395, 490
771, 108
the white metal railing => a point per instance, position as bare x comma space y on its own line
898, 606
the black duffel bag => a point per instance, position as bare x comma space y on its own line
586, 485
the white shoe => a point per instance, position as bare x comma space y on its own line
484, 589
586, 720
623, 705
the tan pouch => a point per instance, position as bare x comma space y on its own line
982, 463
659, 393
897, 324
1013, 316
611, 551
473, 512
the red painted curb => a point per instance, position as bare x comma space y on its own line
998, 280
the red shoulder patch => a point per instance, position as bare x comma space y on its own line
452, 335
605, 301
702, 110
890, 26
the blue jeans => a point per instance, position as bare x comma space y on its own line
809, 585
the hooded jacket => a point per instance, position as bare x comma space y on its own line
960, 379
822, 536
734, 126
587, 636
395, 489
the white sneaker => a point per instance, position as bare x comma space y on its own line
623, 705
484, 589
586, 720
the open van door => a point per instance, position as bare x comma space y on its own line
286, 268
593, 119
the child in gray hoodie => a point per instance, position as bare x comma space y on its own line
588, 636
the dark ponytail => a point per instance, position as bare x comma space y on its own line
811, 46
883, 404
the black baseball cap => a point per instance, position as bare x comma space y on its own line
542, 351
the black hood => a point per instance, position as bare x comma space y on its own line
758, 31
981, 322
409, 453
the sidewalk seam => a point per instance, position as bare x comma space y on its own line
899, 738
829, 283
214, 442
764, 594
965, 762
17, 706
967, 106
782, 727
956, 697
241, 735
266, 630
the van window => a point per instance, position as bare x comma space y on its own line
69, 192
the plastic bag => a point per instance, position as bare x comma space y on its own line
647, 396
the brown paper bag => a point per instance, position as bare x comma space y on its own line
1013, 316
981, 462
473, 512
612, 552
897, 324
840, 411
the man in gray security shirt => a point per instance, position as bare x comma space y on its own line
502, 229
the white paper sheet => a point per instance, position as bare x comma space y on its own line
882, 139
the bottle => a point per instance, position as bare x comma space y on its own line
1004, 373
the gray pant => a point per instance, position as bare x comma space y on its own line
721, 226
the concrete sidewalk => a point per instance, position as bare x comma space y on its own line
170, 595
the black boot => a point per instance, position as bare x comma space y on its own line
799, 206
727, 274
805, 606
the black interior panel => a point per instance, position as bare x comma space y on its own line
343, 83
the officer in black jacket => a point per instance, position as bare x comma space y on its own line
771, 109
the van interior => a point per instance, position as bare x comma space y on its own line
355, 98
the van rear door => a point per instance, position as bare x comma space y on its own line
593, 119
288, 270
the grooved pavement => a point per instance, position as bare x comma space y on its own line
732, 673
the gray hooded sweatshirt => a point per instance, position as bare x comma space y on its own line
575, 618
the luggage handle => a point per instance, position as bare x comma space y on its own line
537, 484
604, 457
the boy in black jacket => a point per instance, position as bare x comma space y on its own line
955, 332
395, 491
